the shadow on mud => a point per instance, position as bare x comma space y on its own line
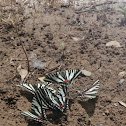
89, 106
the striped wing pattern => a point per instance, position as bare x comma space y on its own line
61, 98
46, 97
54, 100
63, 77
29, 87
92, 91
33, 88
36, 111
33, 116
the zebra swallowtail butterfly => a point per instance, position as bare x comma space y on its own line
63, 77
91, 92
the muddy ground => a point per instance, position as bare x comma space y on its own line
84, 35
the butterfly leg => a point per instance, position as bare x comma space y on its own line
44, 114
67, 104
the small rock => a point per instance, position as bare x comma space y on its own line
103, 114
121, 81
103, 104
122, 74
107, 112
106, 118
86, 73
100, 124
113, 43
112, 118
116, 104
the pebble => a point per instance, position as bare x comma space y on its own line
121, 81
122, 74
116, 104
100, 124
107, 112
113, 43
103, 104
86, 73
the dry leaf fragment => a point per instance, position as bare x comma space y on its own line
86, 73
121, 81
22, 72
41, 78
113, 43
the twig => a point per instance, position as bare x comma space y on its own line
47, 71
53, 68
98, 66
15, 26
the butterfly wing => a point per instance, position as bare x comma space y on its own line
33, 88
34, 117
29, 87
91, 92
36, 112
63, 77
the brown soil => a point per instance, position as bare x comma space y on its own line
43, 33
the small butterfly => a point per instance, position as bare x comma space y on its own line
91, 92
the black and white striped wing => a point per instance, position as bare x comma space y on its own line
45, 96
33, 88
61, 98
63, 77
29, 87
39, 104
36, 103
33, 116
36, 111
57, 100
91, 92
53, 100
